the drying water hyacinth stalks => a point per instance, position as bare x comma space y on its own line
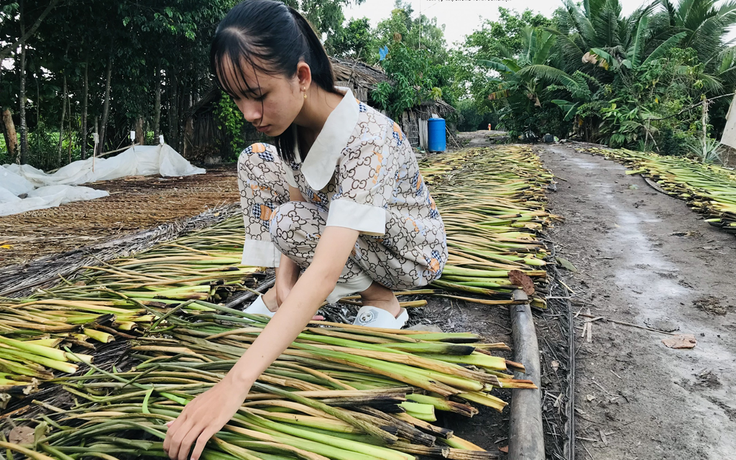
492, 203
338, 392
708, 189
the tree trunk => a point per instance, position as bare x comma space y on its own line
7, 50
38, 102
173, 112
157, 108
704, 122
83, 129
140, 131
106, 106
70, 129
11, 137
61, 127
23, 158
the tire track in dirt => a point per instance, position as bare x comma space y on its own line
645, 258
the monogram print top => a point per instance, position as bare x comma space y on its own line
363, 173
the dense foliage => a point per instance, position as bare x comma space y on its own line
648, 81
86, 66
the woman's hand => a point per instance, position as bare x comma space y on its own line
203, 417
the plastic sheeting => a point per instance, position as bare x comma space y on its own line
40, 190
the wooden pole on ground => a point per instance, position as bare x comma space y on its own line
526, 435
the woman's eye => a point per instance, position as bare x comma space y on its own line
261, 97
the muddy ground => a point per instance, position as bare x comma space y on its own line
644, 258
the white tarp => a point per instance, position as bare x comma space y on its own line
49, 190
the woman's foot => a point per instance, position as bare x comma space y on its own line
269, 298
269, 301
380, 309
381, 297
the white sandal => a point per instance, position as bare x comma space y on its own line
378, 317
258, 307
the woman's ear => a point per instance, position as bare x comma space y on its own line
303, 75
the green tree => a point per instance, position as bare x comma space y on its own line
527, 82
354, 41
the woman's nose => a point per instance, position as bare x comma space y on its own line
250, 109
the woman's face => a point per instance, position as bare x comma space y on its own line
273, 101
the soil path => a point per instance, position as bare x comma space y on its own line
645, 258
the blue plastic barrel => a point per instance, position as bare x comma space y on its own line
436, 135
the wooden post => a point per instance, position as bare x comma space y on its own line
526, 435
11, 137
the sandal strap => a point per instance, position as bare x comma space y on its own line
258, 307
377, 317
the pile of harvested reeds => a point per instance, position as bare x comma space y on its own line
492, 203
708, 189
339, 391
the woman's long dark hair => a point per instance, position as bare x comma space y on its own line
278, 36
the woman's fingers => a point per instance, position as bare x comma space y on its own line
175, 438
185, 446
178, 430
181, 437
202, 441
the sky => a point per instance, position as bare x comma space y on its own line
461, 17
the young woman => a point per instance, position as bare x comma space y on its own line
337, 204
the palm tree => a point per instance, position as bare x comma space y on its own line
595, 24
704, 23
525, 80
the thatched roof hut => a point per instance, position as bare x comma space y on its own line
359, 77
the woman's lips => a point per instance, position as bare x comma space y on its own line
263, 128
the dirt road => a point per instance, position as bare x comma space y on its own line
645, 258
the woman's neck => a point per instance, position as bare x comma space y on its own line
317, 107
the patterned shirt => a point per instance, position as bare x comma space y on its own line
362, 171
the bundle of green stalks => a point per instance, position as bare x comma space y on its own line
492, 203
708, 189
338, 392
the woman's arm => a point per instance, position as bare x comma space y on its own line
209, 412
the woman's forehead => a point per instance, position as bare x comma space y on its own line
241, 78
250, 76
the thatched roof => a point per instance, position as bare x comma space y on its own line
440, 107
357, 72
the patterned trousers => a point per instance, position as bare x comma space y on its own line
295, 228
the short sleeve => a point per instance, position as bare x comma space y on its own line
365, 185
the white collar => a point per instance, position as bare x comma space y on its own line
319, 167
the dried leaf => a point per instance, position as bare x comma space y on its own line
504, 449
21, 435
680, 341
566, 264
519, 278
